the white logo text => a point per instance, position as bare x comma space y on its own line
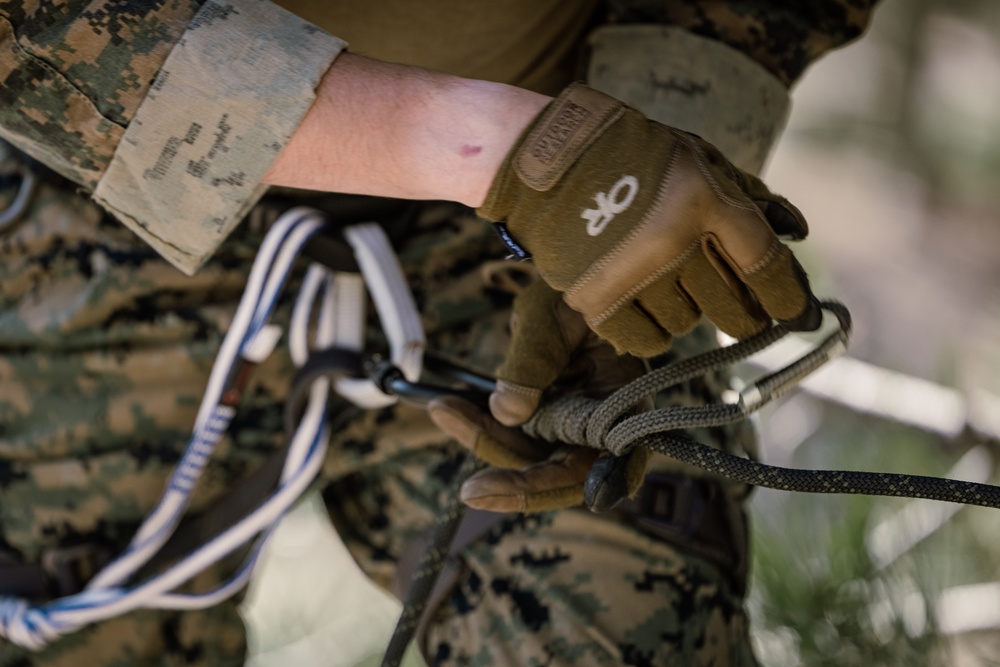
611, 204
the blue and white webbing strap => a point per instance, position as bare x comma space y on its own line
250, 340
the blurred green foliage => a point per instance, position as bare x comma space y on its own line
818, 597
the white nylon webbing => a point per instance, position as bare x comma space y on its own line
394, 304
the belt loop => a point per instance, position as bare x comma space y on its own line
674, 502
693, 514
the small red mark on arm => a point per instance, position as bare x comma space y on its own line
468, 151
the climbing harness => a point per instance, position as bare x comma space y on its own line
250, 340
326, 341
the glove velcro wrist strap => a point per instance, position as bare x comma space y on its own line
546, 150
562, 133
550, 144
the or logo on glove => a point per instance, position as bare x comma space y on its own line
644, 228
611, 204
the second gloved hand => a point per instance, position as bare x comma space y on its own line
551, 352
644, 228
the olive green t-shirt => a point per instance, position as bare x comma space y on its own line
533, 44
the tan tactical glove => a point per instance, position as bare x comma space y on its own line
644, 227
551, 349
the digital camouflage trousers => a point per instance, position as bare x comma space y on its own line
104, 353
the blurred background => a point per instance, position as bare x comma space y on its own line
893, 153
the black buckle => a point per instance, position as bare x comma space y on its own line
674, 503
70, 568
332, 362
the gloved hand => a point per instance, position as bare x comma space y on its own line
551, 349
644, 227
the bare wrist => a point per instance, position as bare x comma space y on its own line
398, 131
484, 120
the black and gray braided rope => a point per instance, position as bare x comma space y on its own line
429, 566
603, 425
607, 425
821, 481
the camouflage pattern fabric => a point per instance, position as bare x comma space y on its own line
146, 105
784, 36
575, 588
104, 353
105, 349
73, 74
553, 588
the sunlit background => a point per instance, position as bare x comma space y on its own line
893, 153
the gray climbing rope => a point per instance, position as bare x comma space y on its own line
611, 425
607, 425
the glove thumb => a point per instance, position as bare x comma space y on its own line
545, 332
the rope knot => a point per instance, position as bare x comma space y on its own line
25, 625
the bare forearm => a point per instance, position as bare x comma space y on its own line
398, 131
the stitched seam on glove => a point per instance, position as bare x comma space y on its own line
651, 213
775, 248
699, 159
514, 388
599, 319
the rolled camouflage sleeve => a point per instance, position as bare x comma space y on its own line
169, 111
785, 36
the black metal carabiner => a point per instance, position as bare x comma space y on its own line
468, 384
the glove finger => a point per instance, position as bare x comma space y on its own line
544, 334
784, 217
782, 288
631, 330
722, 296
556, 483
670, 305
766, 266
490, 441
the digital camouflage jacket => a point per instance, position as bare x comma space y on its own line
169, 112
